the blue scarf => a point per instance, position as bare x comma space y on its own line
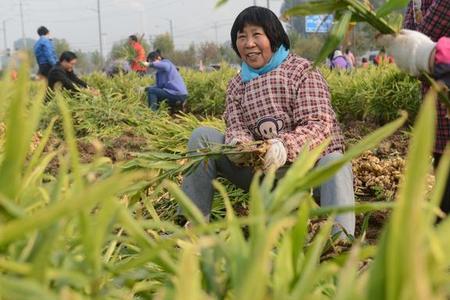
248, 73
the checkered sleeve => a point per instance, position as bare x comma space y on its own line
313, 115
436, 20
408, 21
233, 116
442, 73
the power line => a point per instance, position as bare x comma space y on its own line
215, 31
200, 27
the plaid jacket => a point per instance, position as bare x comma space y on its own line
291, 103
433, 20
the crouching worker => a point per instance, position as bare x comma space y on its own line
62, 75
278, 97
169, 83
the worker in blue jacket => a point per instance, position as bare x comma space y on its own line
44, 52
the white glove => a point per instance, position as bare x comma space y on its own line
411, 50
276, 156
238, 158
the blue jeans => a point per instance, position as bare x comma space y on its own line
337, 191
156, 95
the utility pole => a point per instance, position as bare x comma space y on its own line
171, 30
142, 22
215, 30
268, 4
100, 29
254, 2
24, 41
4, 34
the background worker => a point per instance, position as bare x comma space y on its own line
44, 52
169, 86
137, 63
63, 75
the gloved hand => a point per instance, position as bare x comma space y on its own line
410, 49
276, 156
238, 158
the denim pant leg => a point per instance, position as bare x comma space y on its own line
198, 184
154, 96
173, 100
338, 191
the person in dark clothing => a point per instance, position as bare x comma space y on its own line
44, 52
62, 74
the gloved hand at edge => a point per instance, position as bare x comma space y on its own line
412, 50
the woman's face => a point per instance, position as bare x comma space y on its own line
254, 46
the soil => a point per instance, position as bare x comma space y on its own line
118, 149
121, 148
377, 172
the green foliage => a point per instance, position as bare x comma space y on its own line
305, 46
376, 94
61, 45
117, 111
92, 232
186, 58
207, 90
208, 52
97, 60
164, 43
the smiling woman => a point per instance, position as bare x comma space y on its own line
278, 98
254, 46
256, 34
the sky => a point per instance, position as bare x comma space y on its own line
76, 20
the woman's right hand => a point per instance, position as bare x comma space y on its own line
276, 155
238, 158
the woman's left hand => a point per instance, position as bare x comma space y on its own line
276, 156
411, 50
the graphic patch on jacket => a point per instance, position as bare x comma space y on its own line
267, 128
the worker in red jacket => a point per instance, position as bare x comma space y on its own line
139, 58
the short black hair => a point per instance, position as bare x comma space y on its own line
42, 30
154, 55
133, 38
67, 56
264, 17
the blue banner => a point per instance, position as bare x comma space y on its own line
318, 23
